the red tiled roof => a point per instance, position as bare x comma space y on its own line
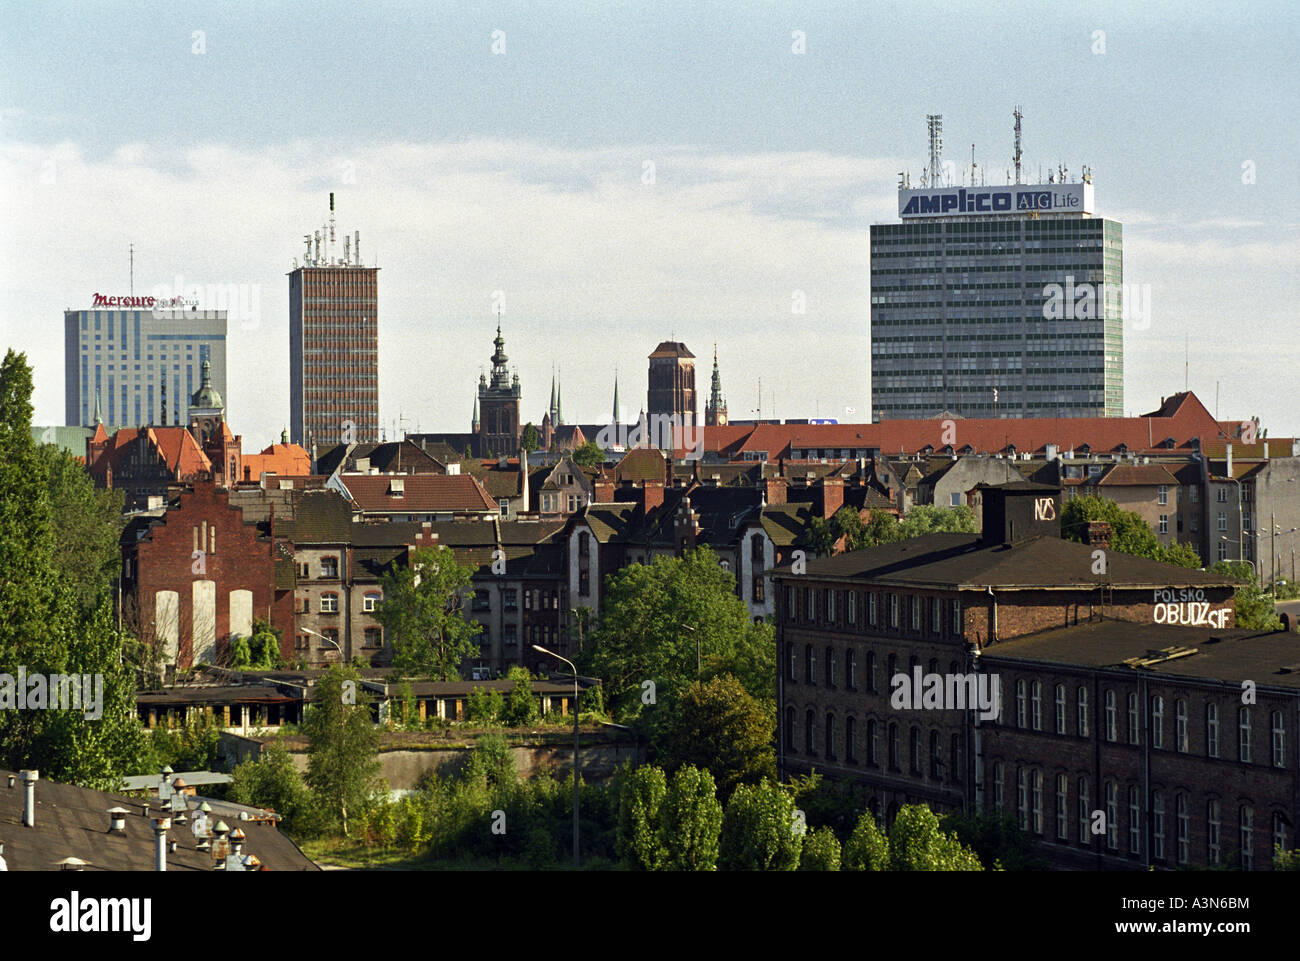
283, 459
421, 493
1136, 475
175, 445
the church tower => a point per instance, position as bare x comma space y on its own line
498, 403
715, 411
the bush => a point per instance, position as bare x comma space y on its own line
821, 851
758, 830
521, 705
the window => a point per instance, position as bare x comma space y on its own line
830, 737
914, 743
1020, 704
1157, 722
915, 604
329, 603
1036, 799
1112, 815
1062, 807
1134, 721
1060, 709
936, 756
1279, 741
370, 600
871, 609
935, 607
873, 754
1247, 838
1162, 497
329, 567
830, 666
956, 626
1083, 805
1211, 730
1022, 797
810, 603
1279, 831
1111, 726
1213, 824
1036, 705
830, 606
789, 727
1195, 494
1223, 521
850, 740
1243, 735
809, 665
810, 732
1180, 726
1083, 711
958, 764
1157, 825
853, 608
871, 671
1164, 524
893, 746
1134, 820
1184, 828
954, 499
794, 657
374, 637
893, 610
504, 506
851, 669
997, 787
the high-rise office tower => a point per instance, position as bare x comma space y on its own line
991, 301
121, 353
333, 343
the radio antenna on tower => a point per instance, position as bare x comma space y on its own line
331, 250
935, 122
1016, 153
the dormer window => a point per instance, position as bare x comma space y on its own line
396, 487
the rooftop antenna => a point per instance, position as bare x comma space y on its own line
972, 165
934, 121
331, 225
356, 246
1015, 154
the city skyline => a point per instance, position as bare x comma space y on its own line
761, 196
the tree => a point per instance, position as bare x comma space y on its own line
821, 851
521, 705
272, 781
996, 840
653, 617
55, 605
690, 818
758, 830
589, 455
260, 652
917, 844
867, 848
641, 794
1254, 610
717, 725
484, 707
1129, 533
343, 752
928, 519
530, 440
421, 610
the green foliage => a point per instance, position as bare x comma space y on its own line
521, 705
996, 839
431, 636
1180, 554
1255, 610
718, 726
652, 618
589, 455
690, 819
484, 707
884, 528
58, 562
491, 762
1286, 860
867, 848
641, 795
917, 844
530, 439
928, 519
821, 851
273, 781
192, 746
758, 830
343, 761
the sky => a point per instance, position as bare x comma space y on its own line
615, 174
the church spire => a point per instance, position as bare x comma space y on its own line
99, 419
474, 423
617, 413
559, 401
715, 411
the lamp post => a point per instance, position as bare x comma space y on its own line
538, 647
327, 640
1253, 566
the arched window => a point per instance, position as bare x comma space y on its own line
850, 740
1021, 705
1157, 721
1180, 725
1134, 721
1112, 815
851, 669
1036, 705
1112, 721
809, 665
810, 732
936, 758
830, 666
893, 746
1247, 815
1279, 740
915, 744
1243, 735
1183, 824
789, 728
830, 736
1060, 709
871, 671
1211, 730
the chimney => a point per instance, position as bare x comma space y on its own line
832, 496
161, 826
776, 490
29, 796
604, 490
652, 496
117, 820
1097, 534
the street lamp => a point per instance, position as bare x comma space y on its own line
1253, 566
538, 647
327, 640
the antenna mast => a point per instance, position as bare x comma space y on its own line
1016, 153
935, 123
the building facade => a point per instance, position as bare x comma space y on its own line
120, 363
997, 302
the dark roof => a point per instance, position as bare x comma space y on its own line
421, 493
966, 561
1268, 659
73, 821
399, 457
319, 517
672, 348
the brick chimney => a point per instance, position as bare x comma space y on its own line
1097, 534
775, 489
832, 495
604, 490
652, 495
